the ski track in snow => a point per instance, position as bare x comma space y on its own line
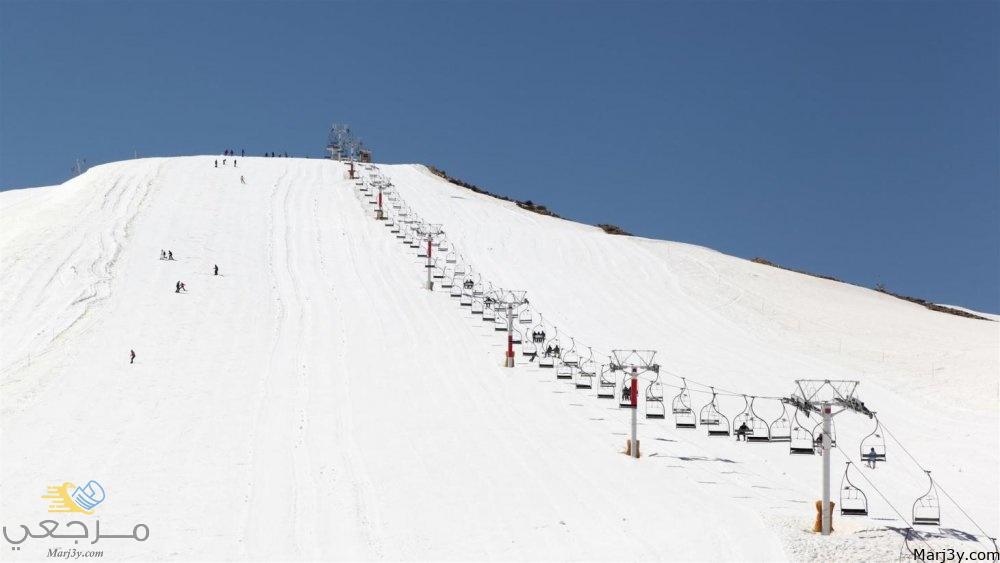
314, 401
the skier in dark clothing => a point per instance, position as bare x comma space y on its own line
242, 152
131, 359
170, 255
234, 163
184, 288
242, 180
216, 269
177, 287
163, 254
216, 163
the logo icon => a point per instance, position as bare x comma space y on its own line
70, 498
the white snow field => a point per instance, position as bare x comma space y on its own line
314, 401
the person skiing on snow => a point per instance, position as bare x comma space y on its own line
216, 269
242, 152
131, 359
177, 287
216, 163
234, 163
184, 288
242, 181
170, 255
163, 254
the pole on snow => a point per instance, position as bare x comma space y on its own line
635, 404
430, 265
819, 396
509, 361
379, 215
827, 509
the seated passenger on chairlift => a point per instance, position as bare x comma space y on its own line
742, 432
870, 458
626, 393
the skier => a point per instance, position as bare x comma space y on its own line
216, 163
223, 162
170, 255
183, 287
163, 254
234, 163
131, 359
742, 432
216, 269
242, 152
242, 181
177, 287
626, 392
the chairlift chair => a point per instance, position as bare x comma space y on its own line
477, 306
654, 399
524, 316
489, 313
605, 383
625, 396
550, 353
927, 508
853, 501
680, 406
781, 430
873, 445
801, 440
565, 371
516, 337
759, 430
818, 433
721, 425
585, 373
570, 357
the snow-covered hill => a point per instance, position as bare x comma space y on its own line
314, 401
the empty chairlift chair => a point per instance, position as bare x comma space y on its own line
927, 508
801, 440
585, 372
477, 305
781, 428
853, 501
873, 446
569, 356
680, 406
654, 399
605, 383
759, 429
713, 419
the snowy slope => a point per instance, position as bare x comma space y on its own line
315, 402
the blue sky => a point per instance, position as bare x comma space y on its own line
853, 139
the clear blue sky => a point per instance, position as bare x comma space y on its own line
854, 139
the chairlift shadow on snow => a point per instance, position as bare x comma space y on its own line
703, 458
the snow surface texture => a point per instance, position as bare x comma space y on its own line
314, 401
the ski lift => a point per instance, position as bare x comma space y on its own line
927, 508
712, 417
818, 433
853, 501
524, 317
529, 349
516, 337
477, 306
451, 257
873, 445
781, 430
465, 300
801, 441
443, 245
625, 397
759, 431
460, 268
586, 371
570, 357
449, 278
605, 383
654, 399
680, 406
456, 286
565, 371
489, 313
550, 353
